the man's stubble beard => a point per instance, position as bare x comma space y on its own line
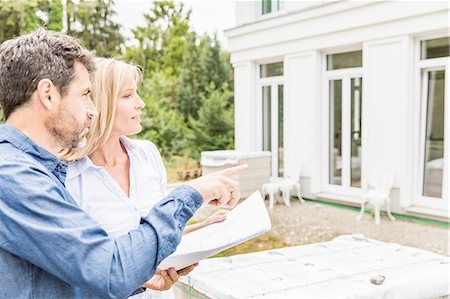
67, 131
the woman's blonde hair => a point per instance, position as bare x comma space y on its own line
110, 77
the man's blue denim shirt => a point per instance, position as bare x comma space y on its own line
50, 248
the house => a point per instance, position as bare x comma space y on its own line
347, 87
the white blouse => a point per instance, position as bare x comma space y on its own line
98, 193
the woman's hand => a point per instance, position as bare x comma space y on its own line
218, 216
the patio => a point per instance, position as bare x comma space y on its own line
317, 222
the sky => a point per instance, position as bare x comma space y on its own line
207, 16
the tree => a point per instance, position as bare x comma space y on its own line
161, 124
22, 16
214, 128
52, 12
204, 70
186, 87
215, 66
162, 41
191, 80
92, 23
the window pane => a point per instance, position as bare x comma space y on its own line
434, 138
266, 121
335, 150
434, 48
344, 60
266, 6
356, 101
280, 132
271, 69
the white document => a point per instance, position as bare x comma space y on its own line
248, 220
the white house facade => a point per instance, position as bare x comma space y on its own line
347, 87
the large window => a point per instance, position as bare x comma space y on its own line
344, 83
271, 70
272, 112
434, 133
435, 48
434, 66
344, 60
268, 6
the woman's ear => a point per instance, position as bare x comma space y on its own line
46, 93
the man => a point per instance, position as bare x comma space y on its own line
50, 248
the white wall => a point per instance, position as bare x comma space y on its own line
297, 5
245, 12
334, 25
250, 11
301, 76
386, 31
386, 102
244, 106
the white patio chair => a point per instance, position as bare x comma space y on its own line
285, 185
378, 194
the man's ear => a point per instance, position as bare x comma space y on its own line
46, 93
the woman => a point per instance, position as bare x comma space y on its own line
115, 179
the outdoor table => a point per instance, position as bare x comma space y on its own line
350, 266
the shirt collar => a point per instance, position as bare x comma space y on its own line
79, 166
131, 148
22, 142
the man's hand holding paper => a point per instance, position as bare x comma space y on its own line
248, 220
163, 280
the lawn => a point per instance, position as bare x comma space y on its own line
264, 242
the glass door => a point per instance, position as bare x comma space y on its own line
433, 158
344, 155
434, 64
341, 171
272, 125
270, 106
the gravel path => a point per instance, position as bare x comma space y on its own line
313, 222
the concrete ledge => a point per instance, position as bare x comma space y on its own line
440, 215
351, 200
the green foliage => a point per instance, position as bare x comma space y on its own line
160, 123
166, 129
162, 41
215, 66
22, 16
266, 241
188, 100
52, 10
214, 128
187, 78
91, 22
189, 105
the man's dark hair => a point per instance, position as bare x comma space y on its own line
42, 54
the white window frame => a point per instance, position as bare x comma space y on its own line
345, 75
423, 66
272, 13
274, 82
